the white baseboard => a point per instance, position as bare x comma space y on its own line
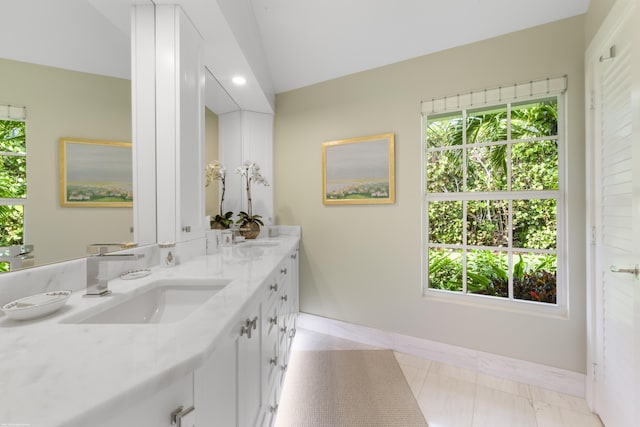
547, 377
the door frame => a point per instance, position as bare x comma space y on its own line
597, 51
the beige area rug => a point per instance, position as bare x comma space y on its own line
347, 388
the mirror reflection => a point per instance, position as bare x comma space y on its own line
70, 87
57, 103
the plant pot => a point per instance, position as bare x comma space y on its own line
215, 225
250, 230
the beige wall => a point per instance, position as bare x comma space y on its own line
362, 264
598, 10
64, 103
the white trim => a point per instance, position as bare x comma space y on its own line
499, 95
522, 371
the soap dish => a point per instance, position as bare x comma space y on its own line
135, 274
36, 305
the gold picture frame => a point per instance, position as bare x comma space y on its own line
95, 173
359, 170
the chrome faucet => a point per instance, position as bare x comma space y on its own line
16, 255
98, 286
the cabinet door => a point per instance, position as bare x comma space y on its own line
153, 410
249, 367
216, 388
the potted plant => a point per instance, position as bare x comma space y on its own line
216, 172
250, 223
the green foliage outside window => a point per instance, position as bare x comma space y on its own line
13, 183
509, 148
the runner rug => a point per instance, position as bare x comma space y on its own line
347, 388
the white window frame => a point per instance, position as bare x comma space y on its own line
16, 114
539, 90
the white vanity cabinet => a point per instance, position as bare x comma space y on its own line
240, 383
227, 386
153, 410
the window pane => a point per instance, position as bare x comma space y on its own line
444, 171
534, 224
444, 131
12, 136
487, 223
11, 225
487, 168
487, 125
488, 273
13, 177
535, 166
534, 277
445, 269
534, 120
445, 222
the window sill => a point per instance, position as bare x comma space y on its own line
494, 303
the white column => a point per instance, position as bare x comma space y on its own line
143, 98
171, 136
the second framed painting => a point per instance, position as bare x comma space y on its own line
95, 173
359, 170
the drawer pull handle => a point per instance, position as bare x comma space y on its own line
273, 361
248, 327
283, 329
283, 270
273, 409
285, 298
274, 287
273, 320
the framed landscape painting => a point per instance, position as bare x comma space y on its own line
95, 173
358, 170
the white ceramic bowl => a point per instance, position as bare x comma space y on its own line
36, 305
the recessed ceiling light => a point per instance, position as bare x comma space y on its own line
239, 80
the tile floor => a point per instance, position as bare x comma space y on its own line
455, 397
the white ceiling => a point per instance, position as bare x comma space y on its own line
279, 45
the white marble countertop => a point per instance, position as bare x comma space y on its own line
63, 374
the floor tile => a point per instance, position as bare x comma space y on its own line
453, 372
559, 399
555, 416
504, 385
495, 408
450, 396
447, 401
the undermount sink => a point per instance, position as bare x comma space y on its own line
162, 301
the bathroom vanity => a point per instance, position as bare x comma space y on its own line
92, 364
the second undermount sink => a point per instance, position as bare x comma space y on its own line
162, 301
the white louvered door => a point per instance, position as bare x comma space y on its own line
616, 217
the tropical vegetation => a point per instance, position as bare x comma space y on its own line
13, 183
502, 165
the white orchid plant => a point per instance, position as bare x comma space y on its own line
215, 171
251, 173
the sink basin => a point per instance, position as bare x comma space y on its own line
162, 301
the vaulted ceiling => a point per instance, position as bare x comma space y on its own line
278, 45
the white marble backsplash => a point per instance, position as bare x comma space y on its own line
71, 275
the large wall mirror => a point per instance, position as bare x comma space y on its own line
69, 66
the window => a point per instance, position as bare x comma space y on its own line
493, 193
13, 179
